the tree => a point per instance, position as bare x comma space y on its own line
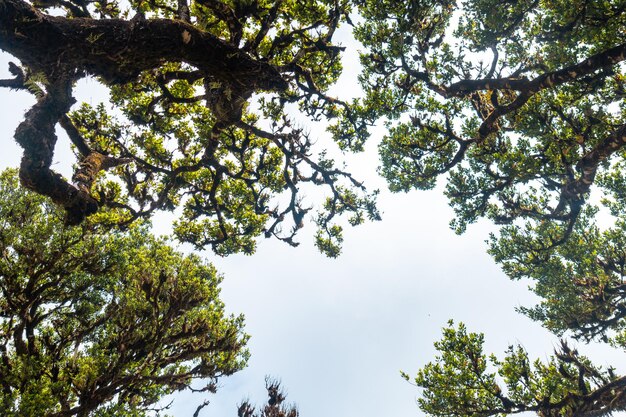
520, 106
99, 322
464, 381
275, 406
200, 94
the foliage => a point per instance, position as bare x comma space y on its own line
520, 106
200, 95
463, 381
102, 323
580, 282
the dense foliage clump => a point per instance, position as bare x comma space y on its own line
99, 322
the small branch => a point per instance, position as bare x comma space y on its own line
16, 83
75, 137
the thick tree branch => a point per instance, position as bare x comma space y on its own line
573, 192
37, 137
91, 165
118, 50
588, 66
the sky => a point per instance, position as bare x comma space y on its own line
337, 332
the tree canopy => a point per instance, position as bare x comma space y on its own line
521, 107
518, 105
99, 322
199, 94
464, 381
521, 104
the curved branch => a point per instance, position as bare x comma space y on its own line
37, 137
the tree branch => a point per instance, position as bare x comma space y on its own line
117, 50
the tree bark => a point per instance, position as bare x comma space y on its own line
118, 50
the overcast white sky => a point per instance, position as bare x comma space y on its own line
337, 332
